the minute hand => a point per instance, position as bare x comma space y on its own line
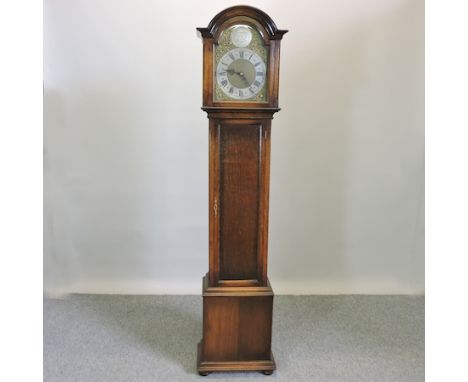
240, 74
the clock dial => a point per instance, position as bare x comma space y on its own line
240, 67
241, 73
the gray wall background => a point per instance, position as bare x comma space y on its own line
126, 147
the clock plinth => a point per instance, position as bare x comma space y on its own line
236, 329
240, 95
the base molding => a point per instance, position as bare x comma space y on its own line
210, 366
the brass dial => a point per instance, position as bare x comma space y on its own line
241, 73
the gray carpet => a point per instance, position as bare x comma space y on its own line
154, 338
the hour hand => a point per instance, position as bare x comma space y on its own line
244, 79
240, 74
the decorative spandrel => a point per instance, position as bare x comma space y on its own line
240, 65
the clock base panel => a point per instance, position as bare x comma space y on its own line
237, 325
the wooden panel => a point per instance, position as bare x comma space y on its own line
264, 203
239, 200
214, 203
237, 328
255, 328
221, 328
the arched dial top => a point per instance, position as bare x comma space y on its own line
241, 59
260, 17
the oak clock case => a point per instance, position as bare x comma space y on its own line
241, 47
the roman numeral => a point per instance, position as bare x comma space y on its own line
241, 94
223, 73
224, 83
251, 90
241, 54
231, 90
260, 73
258, 63
232, 56
257, 83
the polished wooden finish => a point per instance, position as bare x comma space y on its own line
236, 329
239, 192
237, 296
239, 188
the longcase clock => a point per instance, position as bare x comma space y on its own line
241, 52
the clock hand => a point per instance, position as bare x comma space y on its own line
240, 74
244, 79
